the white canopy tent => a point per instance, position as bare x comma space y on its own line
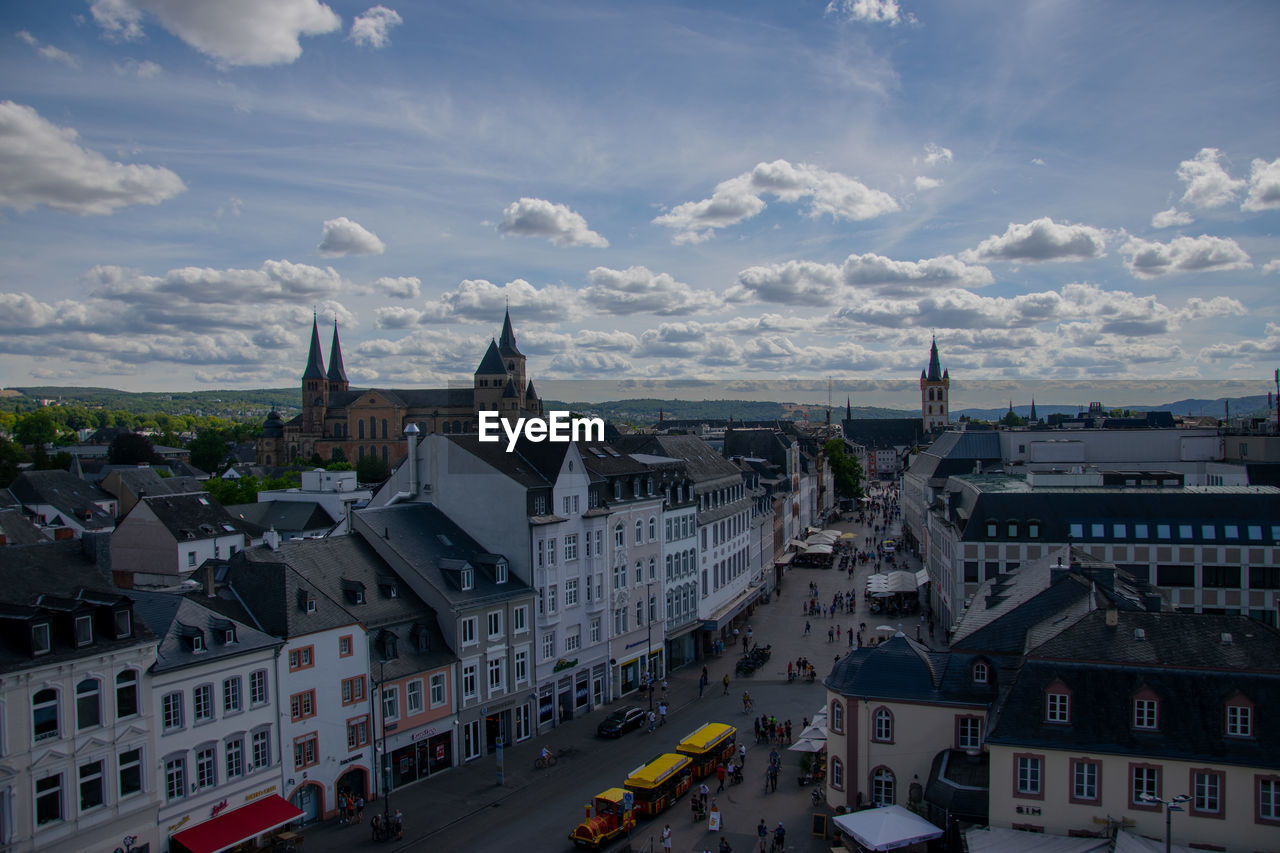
886, 828
999, 840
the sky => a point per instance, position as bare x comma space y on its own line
697, 191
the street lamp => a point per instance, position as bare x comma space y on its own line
1171, 805
648, 646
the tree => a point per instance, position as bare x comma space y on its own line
208, 450
10, 455
131, 448
36, 429
371, 469
846, 470
1011, 419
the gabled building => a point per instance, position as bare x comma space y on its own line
129, 484
58, 499
165, 538
79, 758
217, 736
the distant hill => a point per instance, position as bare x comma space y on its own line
1240, 407
647, 410
233, 405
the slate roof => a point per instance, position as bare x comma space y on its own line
315, 364
767, 444
883, 433
198, 516
283, 516
337, 373
507, 340
960, 784
17, 530
492, 361
903, 670
170, 616
412, 398
273, 585
702, 463
68, 494
1183, 659
139, 480
425, 541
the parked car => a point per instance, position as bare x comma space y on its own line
621, 721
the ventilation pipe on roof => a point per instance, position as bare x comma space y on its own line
411, 462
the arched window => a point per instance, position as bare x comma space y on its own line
457, 426
653, 569
44, 714
445, 427
639, 572
837, 716
837, 774
653, 528
619, 539
360, 429
384, 427
639, 532
882, 787
882, 730
384, 453
373, 427
669, 573
126, 694
360, 449
88, 704
980, 674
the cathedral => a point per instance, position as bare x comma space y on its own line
339, 422
935, 388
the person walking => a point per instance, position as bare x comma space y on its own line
704, 792
720, 774
762, 832
397, 824
806, 627
666, 839
651, 722
726, 684
359, 808
662, 713
742, 755
773, 777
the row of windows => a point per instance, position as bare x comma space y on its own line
1162, 531
87, 787
1145, 711
572, 641
173, 713
415, 696
186, 773
725, 571
681, 564
46, 705
82, 629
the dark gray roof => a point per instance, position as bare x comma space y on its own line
1183, 660
198, 516
282, 516
960, 783
412, 398
17, 530
315, 363
958, 452
702, 462
507, 340
904, 670
274, 585
67, 493
767, 444
492, 361
337, 373
531, 464
146, 480
883, 433
419, 538
173, 617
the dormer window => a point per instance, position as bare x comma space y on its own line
388, 644
41, 639
123, 622
306, 603
197, 642
1033, 529
353, 590
992, 528
229, 636
500, 572
84, 630
980, 673
467, 579
1239, 721
1057, 704
421, 638
1146, 710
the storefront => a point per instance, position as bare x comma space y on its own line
629, 675
427, 752
237, 827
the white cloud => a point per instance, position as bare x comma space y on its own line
1042, 240
614, 341
871, 11
400, 287
535, 217
373, 27
40, 163
396, 317
48, 51
811, 283
1171, 217
341, 236
235, 32
274, 281
636, 290
1267, 347
1183, 254
936, 155
1264, 186
739, 198
790, 283
143, 69
1208, 184
1272, 266
1037, 161
870, 270
924, 183
480, 300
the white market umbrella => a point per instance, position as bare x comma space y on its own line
886, 828
885, 628
805, 744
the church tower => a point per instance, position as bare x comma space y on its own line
512, 358
315, 387
337, 373
935, 389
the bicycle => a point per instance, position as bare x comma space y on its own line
544, 761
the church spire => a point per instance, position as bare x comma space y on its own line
315, 363
1033, 417
848, 408
337, 373
507, 340
935, 366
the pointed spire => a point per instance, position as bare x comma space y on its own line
935, 367
507, 340
529, 393
492, 362
1033, 417
315, 364
337, 373
848, 408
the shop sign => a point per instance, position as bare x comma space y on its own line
174, 827
218, 809
564, 664
420, 734
261, 792
439, 752
356, 757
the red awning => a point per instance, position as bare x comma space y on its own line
245, 823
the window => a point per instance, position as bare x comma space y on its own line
44, 714
175, 778
202, 703
122, 620
619, 538
495, 675
1084, 781
1027, 771
883, 728
1057, 708
469, 631
469, 685
639, 532
1184, 531
471, 740
206, 767
91, 787
500, 571
1268, 806
84, 630
261, 749
413, 697
301, 658
551, 551
573, 638
521, 666
571, 547
40, 639
88, 708
231, 695
882, 787
305, 751
344, 646
358, 732
1146, 714
258, 687
653, 527
437, 690
353, 689
1144, 781
1033, 529
570, 592
553, 595
837, 716
495, 624
49, 799
130, 766
171, 711
595, 629
390, 703
837, 774
1239, 721
1096, 530
1140, 531
968, 732
235, 758
1206, 793
1219, 577
619, 576
979, 673
1175, 575
302, 705
519, 620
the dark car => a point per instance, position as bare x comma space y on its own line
621, 721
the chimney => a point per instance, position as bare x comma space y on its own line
210, 583
411, 434
1113, 615
271, 539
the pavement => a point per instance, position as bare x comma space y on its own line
466, 802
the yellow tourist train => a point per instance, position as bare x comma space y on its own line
709, 746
